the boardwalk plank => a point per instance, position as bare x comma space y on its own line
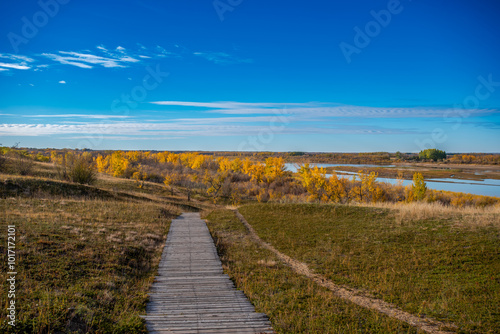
191, 294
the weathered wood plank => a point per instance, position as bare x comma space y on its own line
191, 294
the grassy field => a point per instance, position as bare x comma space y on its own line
433, 267
293, 303
86, 256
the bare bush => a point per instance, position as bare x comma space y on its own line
82, 171
79, 168
22, 163
2, 162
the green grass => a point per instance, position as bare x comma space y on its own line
85, 256
432, 267
88, 254
293, 303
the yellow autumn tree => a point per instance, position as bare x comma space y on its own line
188, 158
314, 180
275, 168
356, 191
102, 163
173, 158
198, 162
168, 181
368, 189
224, 164
418, 187
214, 184
56, 158
336, 189
257, 172
140, 176
162, 157
133, 156
118, 164
246, 166
236, 165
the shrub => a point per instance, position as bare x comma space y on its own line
419, 187
22, 163
263, 196
82, 171
79, 168
2, 162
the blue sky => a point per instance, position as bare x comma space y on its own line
337, 76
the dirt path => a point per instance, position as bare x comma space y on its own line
353, 295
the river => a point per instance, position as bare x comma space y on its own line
487, 187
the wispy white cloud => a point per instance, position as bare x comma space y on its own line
41, 67
222, 58
102, 56
229, 104
318, 110
130, 138
125, 128
16, 57
16, 62
160, 51
118, 57
14, 66
227, 120
87, 60
233, 119
89, 116
66, 60
188, 127
62, 82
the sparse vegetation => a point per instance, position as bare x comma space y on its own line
21, 162
86, 256
235, 180
75, 167
293, 303
91, 227
445, 267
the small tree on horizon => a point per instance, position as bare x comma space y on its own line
432, 154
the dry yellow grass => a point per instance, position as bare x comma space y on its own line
465, 216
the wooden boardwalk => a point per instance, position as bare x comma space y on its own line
191, 294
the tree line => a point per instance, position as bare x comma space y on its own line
238, 179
